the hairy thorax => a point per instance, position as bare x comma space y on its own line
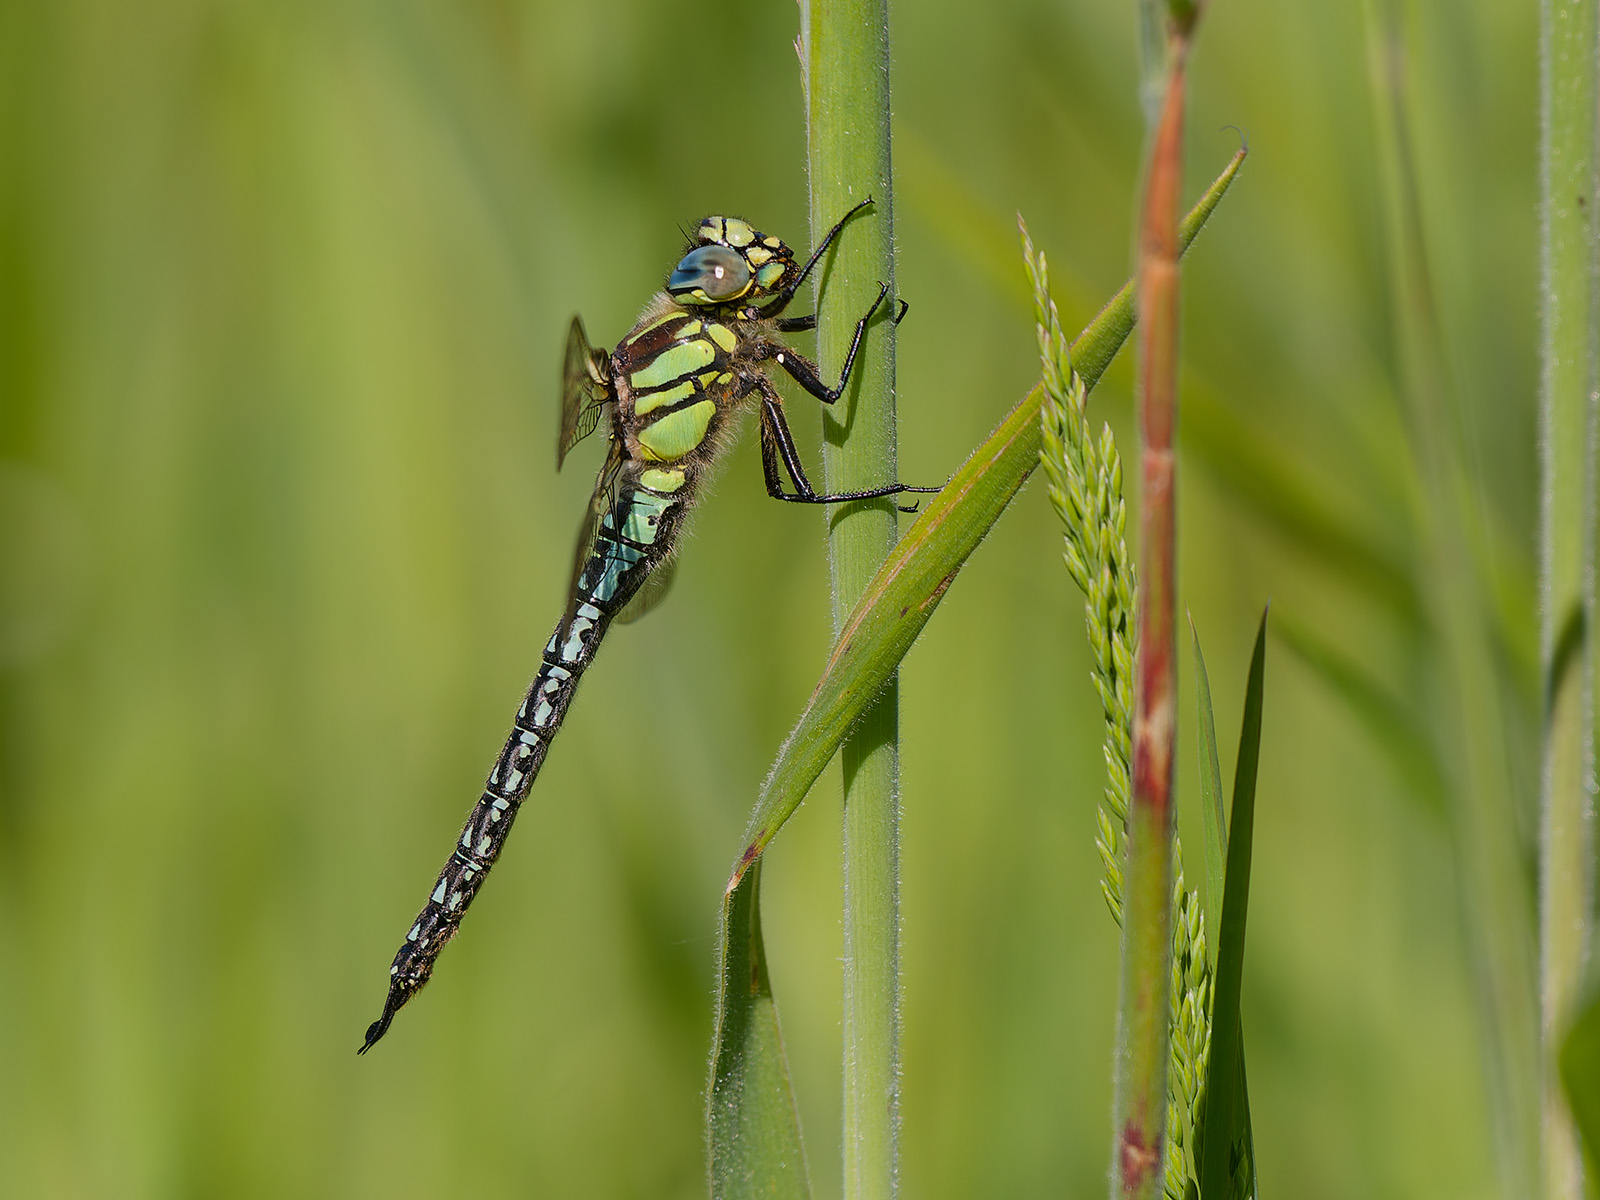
679, 377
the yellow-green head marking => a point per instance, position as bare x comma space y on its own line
733, 265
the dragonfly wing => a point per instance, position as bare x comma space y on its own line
585, 390
600, 503
653, 592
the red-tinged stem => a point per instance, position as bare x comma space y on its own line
1142, 1053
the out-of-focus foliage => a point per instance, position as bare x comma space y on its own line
1580, 1075
283, 287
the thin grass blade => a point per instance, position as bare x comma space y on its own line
1580, 1072
754, 1127
1214, 819
1227, 1121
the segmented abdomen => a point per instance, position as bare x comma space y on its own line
634, 537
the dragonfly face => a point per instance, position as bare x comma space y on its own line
735, 267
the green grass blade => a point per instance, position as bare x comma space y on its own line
1580, 1072
908, 587
1214, 820
1227, 1122
753, 1125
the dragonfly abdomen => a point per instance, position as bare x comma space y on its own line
634, 536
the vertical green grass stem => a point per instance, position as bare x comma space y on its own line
1568, 33
845, 66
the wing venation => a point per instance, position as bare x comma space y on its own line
585, 390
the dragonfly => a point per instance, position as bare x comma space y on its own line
669, 396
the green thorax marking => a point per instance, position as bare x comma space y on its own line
677, 362
676, 367
677, 433
651, 401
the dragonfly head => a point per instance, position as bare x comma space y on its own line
733, 264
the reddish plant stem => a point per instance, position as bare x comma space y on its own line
1143, 1019
1154, 728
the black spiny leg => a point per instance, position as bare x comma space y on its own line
778, 443
787, 294
809, 322
804, 372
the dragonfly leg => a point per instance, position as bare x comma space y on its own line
788, 293
777, 444
770, 450
804, 372
809, 322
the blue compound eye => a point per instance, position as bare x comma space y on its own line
710, 275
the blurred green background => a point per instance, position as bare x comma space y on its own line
283, 286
